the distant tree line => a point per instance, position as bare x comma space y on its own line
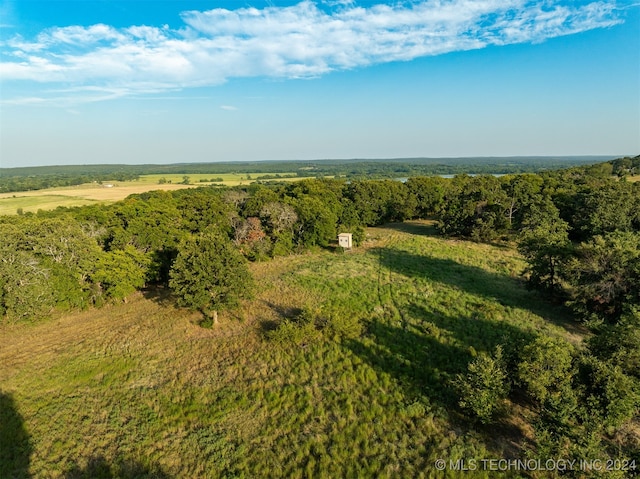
41, 177
626, 166
10, 184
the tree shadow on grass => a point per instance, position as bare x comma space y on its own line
427, 354
503, 289
159, 294
99, 468
423, 365
430, 350
283, 312
15, 444
420, 228
471, 279
425, 346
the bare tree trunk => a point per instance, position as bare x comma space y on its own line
214, 316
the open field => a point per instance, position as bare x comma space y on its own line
227, 179
51, 198
140, 390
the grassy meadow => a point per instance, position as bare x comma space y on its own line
51, 198
141, 390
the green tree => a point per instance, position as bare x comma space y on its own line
152, 223
547, 372
121, 272
605, 275
522, 191
474, 207
544, 242
620, 343
608, 395
316, 221
62, 247
252, 206
209, 274
485, 386
61, 240
604, 207
428, 193
25, 291
381, 201
545, 364
203, 208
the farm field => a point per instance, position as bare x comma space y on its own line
141, 390
51, 198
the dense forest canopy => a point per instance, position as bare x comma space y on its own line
577, 228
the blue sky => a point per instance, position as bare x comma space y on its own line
142, 81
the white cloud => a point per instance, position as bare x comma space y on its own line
228, 107
77, 35
26, 101
303, 40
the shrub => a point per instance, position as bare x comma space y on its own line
485, 386
610, 395
546, 363
299, 331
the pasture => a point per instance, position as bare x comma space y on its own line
141, 390
51, 198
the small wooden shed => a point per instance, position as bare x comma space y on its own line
345, 240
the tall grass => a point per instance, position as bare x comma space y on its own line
139, 389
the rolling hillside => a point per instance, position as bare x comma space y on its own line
341, 366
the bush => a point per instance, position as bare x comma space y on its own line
546, 363
314, 323
610, 395
299, 331
485, 386
620, 344
343, 326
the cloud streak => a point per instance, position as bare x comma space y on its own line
299, 41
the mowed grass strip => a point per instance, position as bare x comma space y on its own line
140, 387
